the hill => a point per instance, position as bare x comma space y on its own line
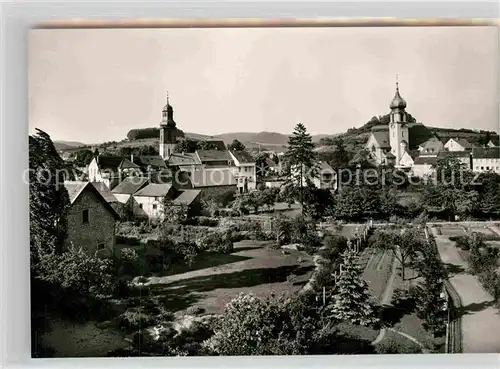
67, 145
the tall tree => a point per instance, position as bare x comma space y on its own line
301, 160
49, 199
352, 300
236, 146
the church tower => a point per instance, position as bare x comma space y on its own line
398, 129
168, 131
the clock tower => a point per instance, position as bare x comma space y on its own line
168, 131
398, 129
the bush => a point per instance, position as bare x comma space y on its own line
391, 345
462, 242
134, 319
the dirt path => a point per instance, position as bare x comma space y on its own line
481, 321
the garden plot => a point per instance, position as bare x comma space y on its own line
451, 231
251, 268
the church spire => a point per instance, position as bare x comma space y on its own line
168, 114
397, 102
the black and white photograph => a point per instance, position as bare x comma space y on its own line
239, 191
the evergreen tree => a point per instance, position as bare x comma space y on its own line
352, 300
301, 161
49, 199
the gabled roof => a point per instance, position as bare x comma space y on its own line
494, 140
76, 188
183, 159
432, 143
127, 164
130, 185
109, 162
186, 197
243, 157
213, 155
324, 166
155, 190
382, 139
462, 142
104, 191
486, 152
150, 160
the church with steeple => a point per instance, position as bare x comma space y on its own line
169, 133
390, 144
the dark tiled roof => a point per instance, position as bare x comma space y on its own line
186, 197
75, 188
243, 156
213, 155
458, 154
382, 138
130, 185
127, 164
104, 191
155, 190
432, 160
109, 162
486, 152
155, 161
183, 159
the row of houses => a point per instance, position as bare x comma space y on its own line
475, 158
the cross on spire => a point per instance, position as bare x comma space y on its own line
168, 103
397, 82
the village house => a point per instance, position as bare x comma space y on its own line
126, 188
323, 177
432, 147
111, 169
205, 168
486, 159
91, 219
149, 202
457, 144
244, 171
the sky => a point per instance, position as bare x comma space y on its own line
95, 85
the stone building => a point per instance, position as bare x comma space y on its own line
91, 219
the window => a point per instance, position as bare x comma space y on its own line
140, 206
487, 168
85, 216
154, 206
101, 246
477, 168
482, 168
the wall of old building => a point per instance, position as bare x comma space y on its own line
100, 228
